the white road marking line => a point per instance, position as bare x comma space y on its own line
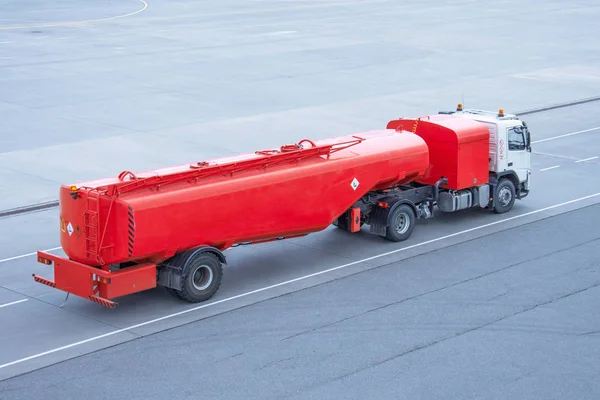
14, 302
115, 332
549, 168
566, 135
586, 159
26, 255
260, 11
72, 23
276, 33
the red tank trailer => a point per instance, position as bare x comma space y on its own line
170, 227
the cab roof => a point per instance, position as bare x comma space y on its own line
483, 115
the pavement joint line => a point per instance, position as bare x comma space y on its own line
29, 208
301, 278
559, 105
54, 204
537, 153
13, 303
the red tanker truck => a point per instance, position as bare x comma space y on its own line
170, 227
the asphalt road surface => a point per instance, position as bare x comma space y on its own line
474, 305
511, 314
38, 328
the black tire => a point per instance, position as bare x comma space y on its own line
504, 198
173, 292
401, 223
202, 277
341, 222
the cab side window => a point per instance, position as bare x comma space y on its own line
516, 139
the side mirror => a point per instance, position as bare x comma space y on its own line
527, 136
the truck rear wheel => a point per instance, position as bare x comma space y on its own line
401, 223
504, 198
202, 277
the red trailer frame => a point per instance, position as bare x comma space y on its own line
100, 267
96, 284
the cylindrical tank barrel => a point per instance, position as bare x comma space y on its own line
259, 200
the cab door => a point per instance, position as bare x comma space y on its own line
519, 152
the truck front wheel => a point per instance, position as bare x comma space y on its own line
505, 196
401, 223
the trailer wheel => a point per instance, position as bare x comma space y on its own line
504, 198
202, 278
401, 223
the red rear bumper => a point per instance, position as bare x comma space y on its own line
95, 284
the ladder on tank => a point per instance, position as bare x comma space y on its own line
92, 229
91, 225
93, 237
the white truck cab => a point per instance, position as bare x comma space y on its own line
510, 148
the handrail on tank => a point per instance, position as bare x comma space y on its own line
204, 169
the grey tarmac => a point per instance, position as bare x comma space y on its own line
181, 82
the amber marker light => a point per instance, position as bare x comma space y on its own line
73, 192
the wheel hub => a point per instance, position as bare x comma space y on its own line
402, 223
202, 277
504, 196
